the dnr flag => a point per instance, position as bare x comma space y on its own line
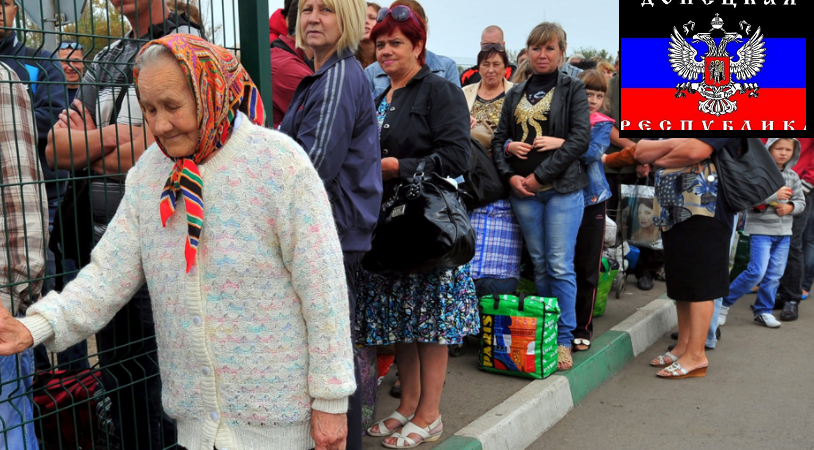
713, 65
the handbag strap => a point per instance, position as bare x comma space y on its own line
521, 305
419, 170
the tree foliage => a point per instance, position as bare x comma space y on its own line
512, 54
99, 25
590, 52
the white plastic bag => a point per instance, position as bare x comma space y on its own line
610, 232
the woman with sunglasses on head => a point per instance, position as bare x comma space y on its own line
442, 66
423, 119
72, 56
332, 118
544, 128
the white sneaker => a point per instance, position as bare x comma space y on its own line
767, 320
722, 315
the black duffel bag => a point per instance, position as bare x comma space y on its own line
748, 179
482, 184
422, 227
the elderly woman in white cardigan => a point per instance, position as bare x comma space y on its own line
247, 279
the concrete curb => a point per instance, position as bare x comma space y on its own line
525, 416
648, 324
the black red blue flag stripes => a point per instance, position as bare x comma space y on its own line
713, 65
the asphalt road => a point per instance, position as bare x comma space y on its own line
758, 394
470, 393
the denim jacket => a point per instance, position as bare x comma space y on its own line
597, 190
440, 65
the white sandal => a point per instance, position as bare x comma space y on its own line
397, 416
663, 363
426, 435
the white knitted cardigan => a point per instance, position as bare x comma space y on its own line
258, 332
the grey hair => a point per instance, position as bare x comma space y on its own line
153, 54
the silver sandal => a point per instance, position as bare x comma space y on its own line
663, 363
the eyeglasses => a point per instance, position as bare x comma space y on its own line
400, 13
489, 46
73, 45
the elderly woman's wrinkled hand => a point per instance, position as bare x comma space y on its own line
14, 336
329, 431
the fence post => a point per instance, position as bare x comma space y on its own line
255, 51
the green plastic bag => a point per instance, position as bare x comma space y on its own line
606, 277
742, 256
519, 335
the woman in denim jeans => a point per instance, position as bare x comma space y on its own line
544, 128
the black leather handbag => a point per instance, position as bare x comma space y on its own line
422, 227
748, 179
482, 184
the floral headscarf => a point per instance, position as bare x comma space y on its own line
221, 87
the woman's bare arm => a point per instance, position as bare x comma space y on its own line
690, 152
648, 152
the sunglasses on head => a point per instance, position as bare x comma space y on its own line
400, 13
73, 45
498, 47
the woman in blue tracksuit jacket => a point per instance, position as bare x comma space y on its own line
332, 117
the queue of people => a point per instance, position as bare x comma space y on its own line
319, 50
288, 214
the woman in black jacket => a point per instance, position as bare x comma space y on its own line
544, 128
422, 118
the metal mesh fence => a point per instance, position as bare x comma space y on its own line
73, 61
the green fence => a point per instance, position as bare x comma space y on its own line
107, 395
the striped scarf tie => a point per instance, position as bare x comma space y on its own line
186, 180
221, 87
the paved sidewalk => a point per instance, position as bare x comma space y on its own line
758, 394
470, 393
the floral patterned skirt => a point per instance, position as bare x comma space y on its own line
437, 307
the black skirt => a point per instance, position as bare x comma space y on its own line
696, 259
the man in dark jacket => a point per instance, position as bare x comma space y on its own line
492, 35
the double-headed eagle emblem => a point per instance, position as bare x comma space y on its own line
717, 67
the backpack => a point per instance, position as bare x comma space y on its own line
33, 68
482, 183
71, 410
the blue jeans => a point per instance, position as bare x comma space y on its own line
550, 222
713, 324
16, 404
767, 264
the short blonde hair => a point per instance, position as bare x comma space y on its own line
546, 32
350, 14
